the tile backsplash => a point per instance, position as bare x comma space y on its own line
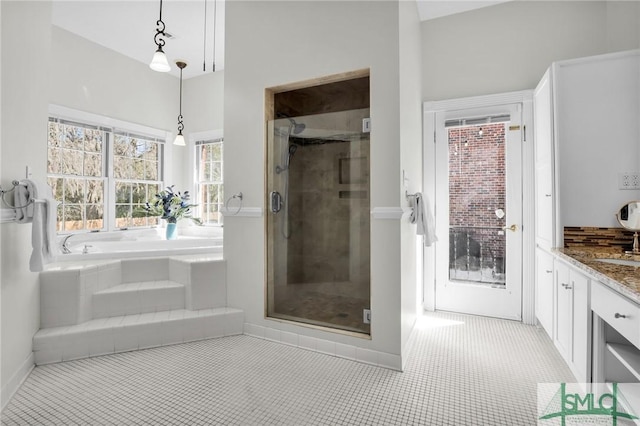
577, 236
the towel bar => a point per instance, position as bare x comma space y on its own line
3, 192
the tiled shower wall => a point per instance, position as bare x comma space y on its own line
329, 213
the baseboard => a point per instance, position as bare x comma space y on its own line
16, 381
327, 347
408, 347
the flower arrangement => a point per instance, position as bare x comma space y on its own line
171, 206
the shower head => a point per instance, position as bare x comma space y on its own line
296, 128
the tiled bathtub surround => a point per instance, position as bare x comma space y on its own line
123, 305
580, 236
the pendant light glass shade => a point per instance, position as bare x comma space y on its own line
179, 140
159, 62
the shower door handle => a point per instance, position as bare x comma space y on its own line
276, 201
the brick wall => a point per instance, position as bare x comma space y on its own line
477, 185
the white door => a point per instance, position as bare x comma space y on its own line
479, 211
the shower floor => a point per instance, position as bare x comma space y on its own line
323, 304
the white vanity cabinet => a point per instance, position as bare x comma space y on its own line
572, 325
616, 336
544, 290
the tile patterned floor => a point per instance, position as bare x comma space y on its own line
463, 370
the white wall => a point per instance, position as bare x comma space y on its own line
42, 64
275, 43
203, 103
411, 162
597, 110
508, 47
25, 95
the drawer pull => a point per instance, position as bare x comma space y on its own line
548, 271
617, 315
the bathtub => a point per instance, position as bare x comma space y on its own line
139, 243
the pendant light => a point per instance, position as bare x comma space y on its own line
159, 62
179, 138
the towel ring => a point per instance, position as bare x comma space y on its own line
238, 196
3, 192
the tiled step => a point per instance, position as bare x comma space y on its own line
131, 332
138, 298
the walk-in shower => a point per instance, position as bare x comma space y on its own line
318, 224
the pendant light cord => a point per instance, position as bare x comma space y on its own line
159, 31
180, 123
214, 35
204, 41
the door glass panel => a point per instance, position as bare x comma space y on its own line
477, 203
318, 220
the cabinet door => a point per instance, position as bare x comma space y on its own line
544, 290
581, 321
544, 160
564, 312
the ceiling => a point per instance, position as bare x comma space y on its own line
128, 27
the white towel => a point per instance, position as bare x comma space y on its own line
422, 217
35, 203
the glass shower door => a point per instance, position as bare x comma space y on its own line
318, 221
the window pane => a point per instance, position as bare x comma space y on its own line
151, 152
55, 134
95, 216
216, 172
73, 137
93, 164
93, 140
137, 169
72, 162
95, 191
60, 219
206, 175
138, 194
123, 192
123, 215
72, 218
122, 146
73, 191
151, 170
56, 187
53, 162
216, 151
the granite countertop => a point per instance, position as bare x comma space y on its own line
622, 278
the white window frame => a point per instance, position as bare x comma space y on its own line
194, 140
112, 126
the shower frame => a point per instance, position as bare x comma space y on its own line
270, 115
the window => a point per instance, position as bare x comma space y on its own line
209, 185
136, 168
102, 177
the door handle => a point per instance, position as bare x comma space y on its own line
512, 228
275, 203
